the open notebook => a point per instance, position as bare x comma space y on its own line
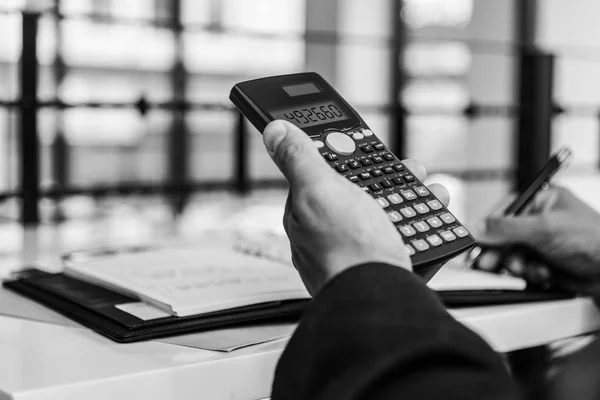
189, 281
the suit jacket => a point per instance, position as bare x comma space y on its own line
377, 332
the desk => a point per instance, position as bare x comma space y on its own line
45, 361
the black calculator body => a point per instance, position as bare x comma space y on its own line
432, 235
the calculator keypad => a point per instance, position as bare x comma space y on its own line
421, 219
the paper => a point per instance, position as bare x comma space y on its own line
188, 281
143, 311
17, 306
227, 340
449, 279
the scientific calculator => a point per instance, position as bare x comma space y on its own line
432, 235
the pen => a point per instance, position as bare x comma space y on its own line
557, 162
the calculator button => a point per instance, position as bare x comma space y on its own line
353, 178
409, 249
367, 132
435, 222
379, 146
398, 167
385, 183
364, 176
366, 162
434, 204
367, 148
448, 236
388, 156
409, 177
340, 143
460, 231
377, 159
319, 144
342, 168
395, 216
388, 170
331, 156
407, 230
397, 180
420, 245
354, 164
434, 240
448, 218
357, 136
382, 202
408, 212
394, 198
377, 172
421, 226
375, 186
421, 208
408, 194
422, 191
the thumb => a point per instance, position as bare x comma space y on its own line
294, 153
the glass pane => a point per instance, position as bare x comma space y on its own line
232, 54
267, 16
456, 144
582, 135
211, 144
580, 29
363, 76
261, 165
10, 37
352, 13
576, 81
481, 20
438, 141
85, 85
118, 46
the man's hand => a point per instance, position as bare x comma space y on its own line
331, 223
565, 233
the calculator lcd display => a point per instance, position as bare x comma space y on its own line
301, 89
311, 114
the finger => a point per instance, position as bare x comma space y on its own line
295, 154
544, 201
537, 273
416, 168
514, 263
488, 260
440, 192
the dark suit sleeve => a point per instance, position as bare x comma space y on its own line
377, 332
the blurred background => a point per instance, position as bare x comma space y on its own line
117, 110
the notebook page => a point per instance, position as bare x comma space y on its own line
452, 279
187, 281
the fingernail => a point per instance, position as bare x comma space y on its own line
515, 265
273, 135
488, 260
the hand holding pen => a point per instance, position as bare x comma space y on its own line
512, 252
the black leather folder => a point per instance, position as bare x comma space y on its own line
94, 307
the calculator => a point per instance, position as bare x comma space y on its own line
432, 235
